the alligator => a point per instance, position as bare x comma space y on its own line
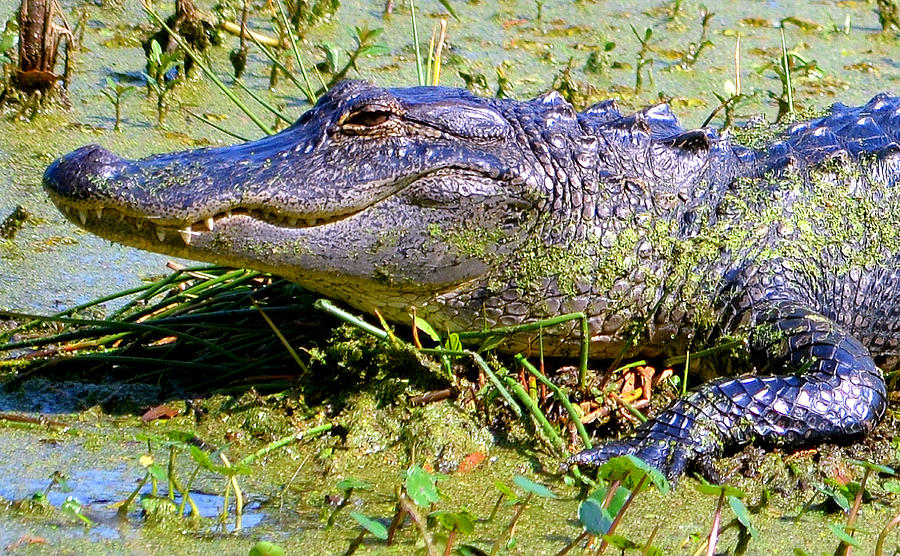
483, 213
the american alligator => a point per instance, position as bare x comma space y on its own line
487, 212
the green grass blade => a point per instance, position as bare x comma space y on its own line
308, 90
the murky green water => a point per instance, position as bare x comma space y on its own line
51, 264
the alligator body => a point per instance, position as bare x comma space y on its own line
485, 212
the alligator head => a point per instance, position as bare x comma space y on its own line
355, 200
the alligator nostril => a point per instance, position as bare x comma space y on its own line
79, 173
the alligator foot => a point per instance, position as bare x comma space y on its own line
678, 439
834, 393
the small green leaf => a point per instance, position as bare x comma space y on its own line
266, 548
892, 486
421, 486
873, 466
837, 496
595, 519
462, 521
844, 536
800, 552
491, 342
423, 325
453, 342
6, 42
716, 490
332, 56
155, 51
537, 489
374, 50
72, 507
158, 472
506, 490
375, 527
630, 470
620, 542
617, 501
449, 9
740, 511
348, 484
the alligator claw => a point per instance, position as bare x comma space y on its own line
669, 456
679, 438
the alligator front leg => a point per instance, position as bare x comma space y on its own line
835, 394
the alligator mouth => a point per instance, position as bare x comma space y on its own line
120, 199
95, 220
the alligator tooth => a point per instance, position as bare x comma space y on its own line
210, 224
227, 214
139, 224
311, 221
82, 215
292, 221
99, 213
161, 234
186, 235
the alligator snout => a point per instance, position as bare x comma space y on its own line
80, 174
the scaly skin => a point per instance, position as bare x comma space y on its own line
485, 212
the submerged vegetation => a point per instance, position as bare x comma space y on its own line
418, 410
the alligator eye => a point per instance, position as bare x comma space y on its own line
367, 118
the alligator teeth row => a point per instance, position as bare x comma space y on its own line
269, 217
208, 223
293, 221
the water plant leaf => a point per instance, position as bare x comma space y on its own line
620, 542
537, 489
837, 496
453, 342
449, 8
158, 472
72, 507
616, 502
374, 50
716, 490
891, 486
462, 521
423, 325
204, 460
373, 526
421, 486
630, 469
506, 491
594, 518
873, 466
332, 56
844, 536
266, 548
743, 515
351, 483
7, 41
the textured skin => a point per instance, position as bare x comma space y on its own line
484, 212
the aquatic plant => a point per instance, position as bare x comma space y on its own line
116, 91
160, 77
